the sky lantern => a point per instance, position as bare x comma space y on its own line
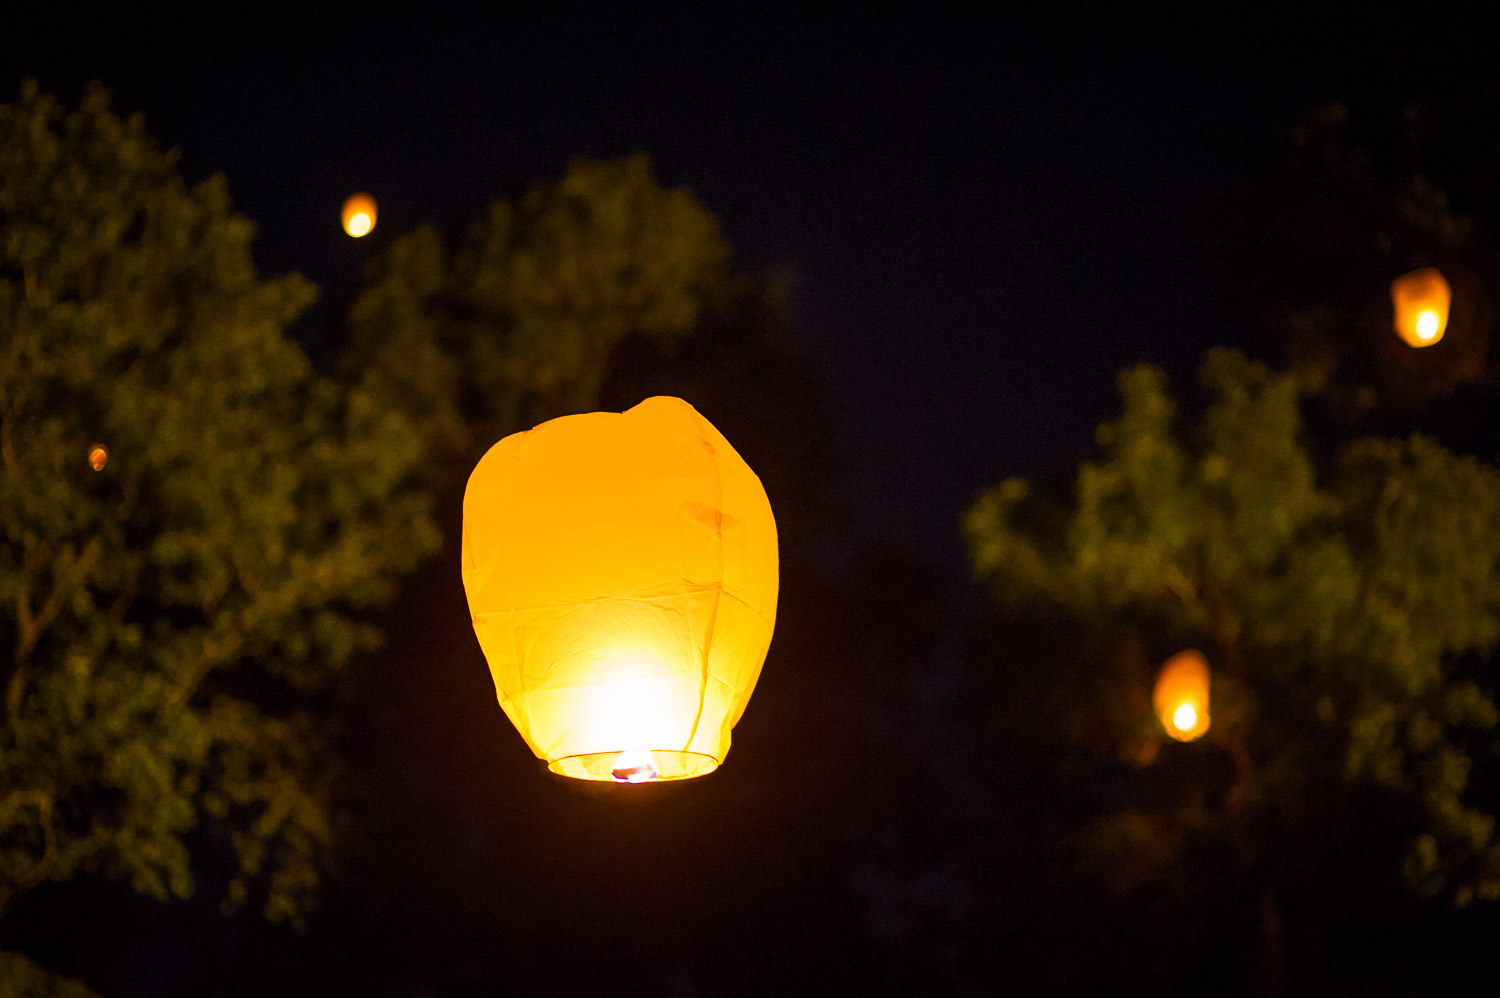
1181, 695
621, 570
1421, 300
359, 214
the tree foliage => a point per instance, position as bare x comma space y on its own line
20, 978
1346, 611
166, 616
514, 319
1356, 198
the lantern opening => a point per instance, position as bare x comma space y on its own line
359, 225
635, 765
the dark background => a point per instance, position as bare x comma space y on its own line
984, 218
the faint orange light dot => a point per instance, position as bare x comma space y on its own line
98, 457
359, 215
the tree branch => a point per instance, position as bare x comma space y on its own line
7, 446
42, 801
214, 652
29, 628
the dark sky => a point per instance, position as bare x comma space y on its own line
987, 216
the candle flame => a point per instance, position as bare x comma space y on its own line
634, 766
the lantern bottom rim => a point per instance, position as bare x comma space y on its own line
671, 764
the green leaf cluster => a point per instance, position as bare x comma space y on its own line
20, 978
1346, 610
164, 618
513, 320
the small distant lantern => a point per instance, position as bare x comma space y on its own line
98, 457
1181, 695
621, 571
359, 215
1421, 299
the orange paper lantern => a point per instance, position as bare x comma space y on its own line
1181, 695
621, 570
359, 215
1421, 299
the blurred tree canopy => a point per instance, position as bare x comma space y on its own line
513, 319
1346, 608
174, 617
1355, 197
193, 524
20, 978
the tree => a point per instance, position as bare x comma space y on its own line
513, 321
21, 978
193, 524
1347, 612
1357, 196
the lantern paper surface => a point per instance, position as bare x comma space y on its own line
1421, 299
1181, 695
621, 570
359, 215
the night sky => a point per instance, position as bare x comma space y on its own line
985, 218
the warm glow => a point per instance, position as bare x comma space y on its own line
1427, 324
621, 570
1421, 300
98, 457
1181, 695
634, 766
359, 215
1184, 717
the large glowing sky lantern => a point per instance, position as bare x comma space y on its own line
621, 570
